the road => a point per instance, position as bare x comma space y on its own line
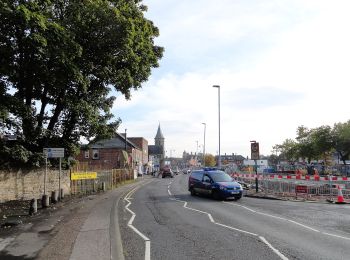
159, 219
156, 218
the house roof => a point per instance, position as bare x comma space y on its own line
155, 149
118, 141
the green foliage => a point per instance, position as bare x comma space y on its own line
317, 143
288, 150
341, 139
59, 62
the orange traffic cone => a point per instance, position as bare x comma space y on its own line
340, 199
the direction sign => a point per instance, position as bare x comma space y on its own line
53, 152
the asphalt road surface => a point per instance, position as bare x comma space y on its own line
159, 219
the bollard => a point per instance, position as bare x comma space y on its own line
33, 207
45, 201
103, 186
61, 194
54, 196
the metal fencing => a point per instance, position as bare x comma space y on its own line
106, 179
299, 189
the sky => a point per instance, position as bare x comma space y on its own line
279, 64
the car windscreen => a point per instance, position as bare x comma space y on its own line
220, 177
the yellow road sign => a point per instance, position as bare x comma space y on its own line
83, 175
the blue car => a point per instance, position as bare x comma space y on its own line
215, 183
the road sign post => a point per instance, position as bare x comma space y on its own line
254, 148
53, 153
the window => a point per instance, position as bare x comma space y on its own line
220, 176
86, 154
95, 154
197, 175
206, 179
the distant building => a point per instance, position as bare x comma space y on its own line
156, 152
231, 159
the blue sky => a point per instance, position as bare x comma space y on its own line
279, 64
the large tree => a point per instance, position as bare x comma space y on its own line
341, 140
59, 62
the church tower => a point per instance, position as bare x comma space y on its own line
159, 139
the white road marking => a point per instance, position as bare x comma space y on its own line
237, 229
304, 226
291, 221
233, 228
131, 220
273, 249
332, 235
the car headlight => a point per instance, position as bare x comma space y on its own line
223, 188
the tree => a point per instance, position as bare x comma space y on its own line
59, 62
305, 147
288, 150
341, 139
209, 160
322, 141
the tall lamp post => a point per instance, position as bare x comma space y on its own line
254, 147
218, 87
205, 126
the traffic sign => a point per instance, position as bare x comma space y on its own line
53, 152
254, 151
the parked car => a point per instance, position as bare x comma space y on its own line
215, 183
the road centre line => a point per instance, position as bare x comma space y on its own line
169, 192
233, 228
273, 249
291, 221
133, 215
332, 235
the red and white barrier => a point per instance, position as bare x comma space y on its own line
292, 177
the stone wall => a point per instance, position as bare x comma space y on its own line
23, 185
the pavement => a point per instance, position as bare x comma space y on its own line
61, 230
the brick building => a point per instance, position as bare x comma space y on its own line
142, 144
111, 154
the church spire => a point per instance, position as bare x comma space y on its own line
159, 139
159, 134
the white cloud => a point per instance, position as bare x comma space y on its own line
299, 75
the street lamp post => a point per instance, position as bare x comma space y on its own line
218, 87
205, 126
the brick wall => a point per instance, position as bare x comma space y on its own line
28, 185
142, 143
108, 158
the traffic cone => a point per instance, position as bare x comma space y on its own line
340, 199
